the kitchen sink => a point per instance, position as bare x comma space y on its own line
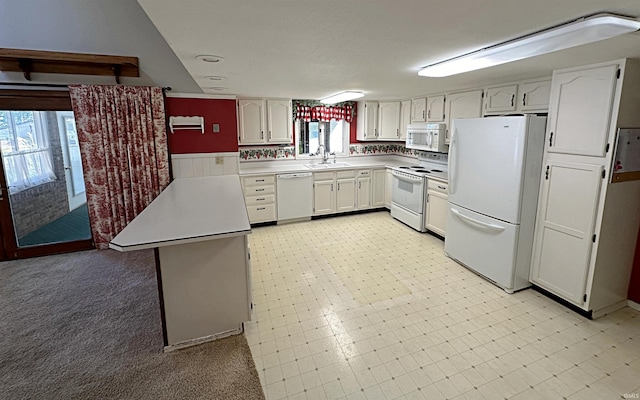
328, 165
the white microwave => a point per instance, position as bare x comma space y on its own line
427, 137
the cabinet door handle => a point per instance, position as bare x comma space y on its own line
338, 185
429, 114
524, 99
513, 97
398, 132
259, 180
259, 190
332, 187
442, 187
261, 208
270, 133
261, 134
359, 185
261, 199
422, 114
550, 139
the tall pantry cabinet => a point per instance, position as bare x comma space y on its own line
586, 226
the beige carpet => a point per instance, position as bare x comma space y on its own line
87, 325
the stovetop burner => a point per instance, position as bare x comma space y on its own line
436, 170
423, 171
416, 167
405, 168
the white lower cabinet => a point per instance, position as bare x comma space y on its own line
378, 195
437, 207
348, 190
324, 197
363, 190
388, 185
346, 193
260, 198
566, 221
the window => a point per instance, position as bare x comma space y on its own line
333, 135
24, 142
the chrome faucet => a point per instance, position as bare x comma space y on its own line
325, 155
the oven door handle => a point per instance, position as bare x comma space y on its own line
406, 179
473, 221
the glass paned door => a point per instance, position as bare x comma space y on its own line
43, 177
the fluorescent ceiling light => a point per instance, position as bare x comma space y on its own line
582, 31
340, 97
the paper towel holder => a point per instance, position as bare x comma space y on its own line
183, 123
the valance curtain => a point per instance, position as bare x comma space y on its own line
324, 113
123, 145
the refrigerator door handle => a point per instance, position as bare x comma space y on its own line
473, 221
452, 163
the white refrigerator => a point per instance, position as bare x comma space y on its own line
494, 175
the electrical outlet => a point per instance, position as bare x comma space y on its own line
219, 160
216, 129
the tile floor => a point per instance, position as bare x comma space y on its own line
363, 307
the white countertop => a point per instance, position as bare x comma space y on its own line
290, 166
188, 210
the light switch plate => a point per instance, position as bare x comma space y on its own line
216, 128
219, 160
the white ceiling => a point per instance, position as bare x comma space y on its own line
314, 48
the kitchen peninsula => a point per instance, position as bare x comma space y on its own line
198, 228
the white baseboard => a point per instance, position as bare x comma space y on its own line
633, 304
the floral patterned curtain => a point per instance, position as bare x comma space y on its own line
324, 113
123, 145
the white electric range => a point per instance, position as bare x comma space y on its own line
409, 189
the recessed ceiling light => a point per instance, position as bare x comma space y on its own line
209, 58
343, 96
216, 88
216, 78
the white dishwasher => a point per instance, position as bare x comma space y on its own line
295, 196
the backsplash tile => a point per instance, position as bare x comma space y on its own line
267, 153
382, 148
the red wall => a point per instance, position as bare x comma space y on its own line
214, 111
634, 285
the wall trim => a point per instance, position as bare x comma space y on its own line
205, 155
203, 96
633, 304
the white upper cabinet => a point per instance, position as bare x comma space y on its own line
259, 127
500, 99
462, 105
435, 108
534, 96
389, 120
419, 109
580, 111
251, 121
367, 120
279, 121
405, 118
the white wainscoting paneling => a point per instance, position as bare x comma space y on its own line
204, 164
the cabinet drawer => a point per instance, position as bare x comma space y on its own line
323, 176
259, 190
437, 186
346, 174
260, 200
258, 180
261, 213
